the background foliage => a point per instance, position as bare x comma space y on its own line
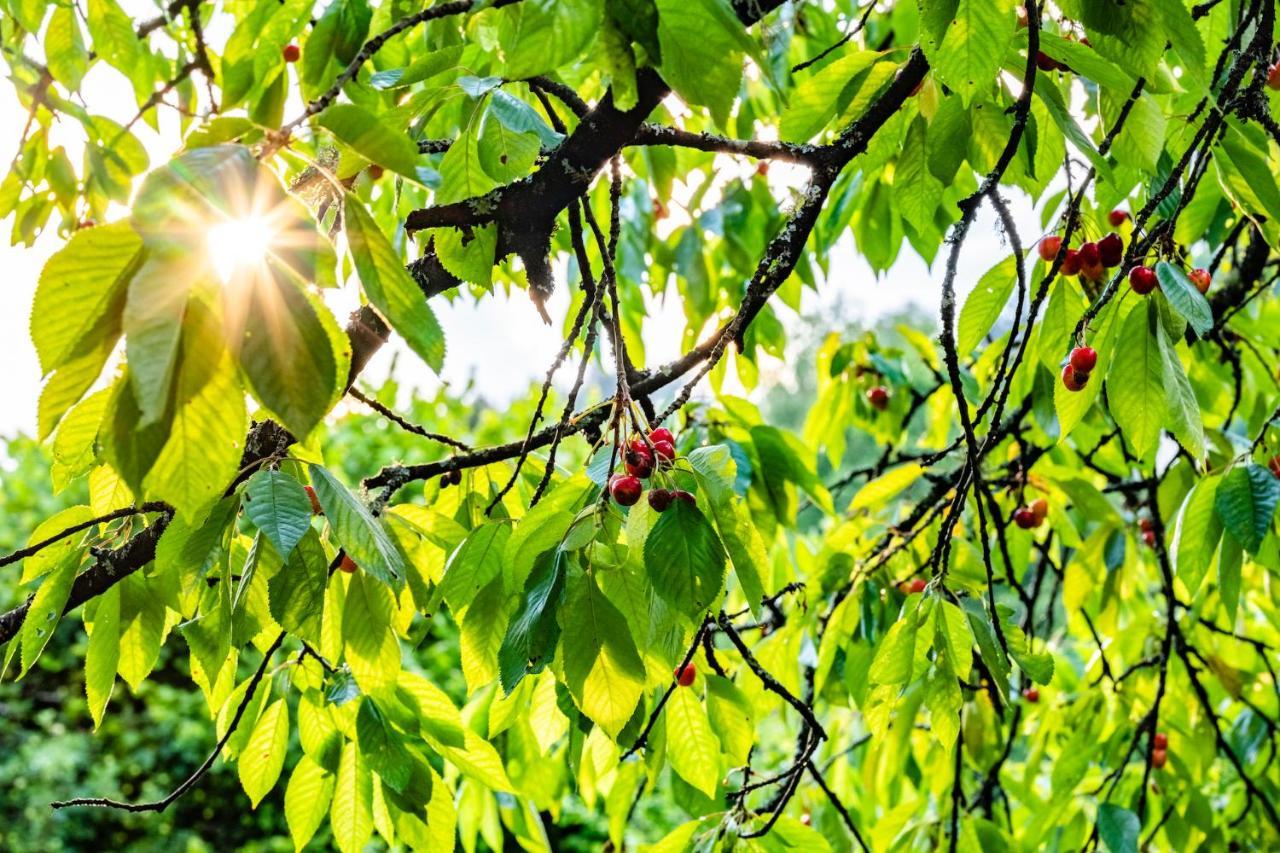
975, 586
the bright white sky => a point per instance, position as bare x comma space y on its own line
499, 342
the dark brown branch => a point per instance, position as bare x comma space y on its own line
162, 804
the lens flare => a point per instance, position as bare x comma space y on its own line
239, 245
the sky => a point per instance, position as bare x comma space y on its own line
498, 342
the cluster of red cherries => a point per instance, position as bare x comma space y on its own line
641, 459
1092, 259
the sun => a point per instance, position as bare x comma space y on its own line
239, 245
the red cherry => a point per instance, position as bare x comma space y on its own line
1111, 250
625, 489
659, 209
639, 463
1071, 262
1031, 694
660, 499
1143, 280
1045, 62
1145, 524
918, 585
1090, 255
1022, 17
1083, 359
1273, 76
1073, 379
686, 674
291, 52
878, 397
662, 434
806, 818
1040, 509
1025, 518
348, 565
687, 497
1149, 538
1160, 741
316, 509
1274, 465
1201, 279
762, 168
1118, 217
1049, 247
1159, 758
375, 171
666, 451
86, 223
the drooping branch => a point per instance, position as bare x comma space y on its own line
168, 800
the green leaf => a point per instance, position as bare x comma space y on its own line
462, 175
943, 699
391, 290
436, 712
817, 100
1135, 383
518, 117
371, 138
717, 471
985, 302
47, 559
381, 746
351, 813
371, 648
67, 385
1230, 560
153, 320
542, 527
263, 756
1118, 828
112, 34
46, 607
361, 535
64, 48
1184, 297
531, 637
895, 656
506, 155
692, 747
278, 505
206, 433
539, 36
482, 625
468, 254
701, 44
602, 667
102, 654
1196, 534
730, 713
476, 562
1246, 503
81, 293
142, 619
684, 559
306, 800
1184, 409
290, 348
966, 52
296, 592
879, 492
988, 646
